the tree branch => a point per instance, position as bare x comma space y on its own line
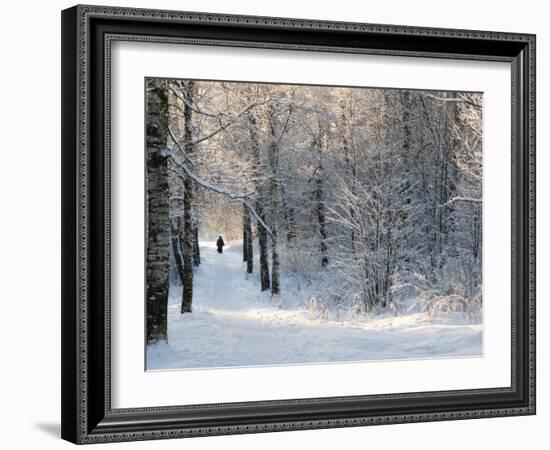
461, 199
462, 99
232, 195
191, 106
223, 126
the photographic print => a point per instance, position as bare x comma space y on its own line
270, 204
300, 224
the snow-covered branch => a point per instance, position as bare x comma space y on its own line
461, 199
244, 198
461, 99
191, 106
224, 126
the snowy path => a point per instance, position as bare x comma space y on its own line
232, 324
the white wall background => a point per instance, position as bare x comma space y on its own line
30, 223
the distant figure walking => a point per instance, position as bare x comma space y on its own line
220, 244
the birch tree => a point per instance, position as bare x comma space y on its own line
158, 226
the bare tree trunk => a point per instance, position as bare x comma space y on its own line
350, 158
291, 234
248, 251
245, 248
265, 283
319, 193
158, 223
275, 287
322, 222
187, 291
289, 215
196, 247
274, 194
176, 229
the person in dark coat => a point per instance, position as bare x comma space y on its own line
220, 244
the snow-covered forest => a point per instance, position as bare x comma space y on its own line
346, 212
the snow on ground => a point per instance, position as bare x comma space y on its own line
233, 324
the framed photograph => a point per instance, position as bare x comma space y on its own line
280, 224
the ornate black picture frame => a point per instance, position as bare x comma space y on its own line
87, 35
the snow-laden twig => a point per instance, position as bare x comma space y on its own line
179, 161
226, 125
193, 107
183, 156
461, 99
461, 199
285, 126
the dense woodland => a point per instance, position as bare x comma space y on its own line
371, 197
